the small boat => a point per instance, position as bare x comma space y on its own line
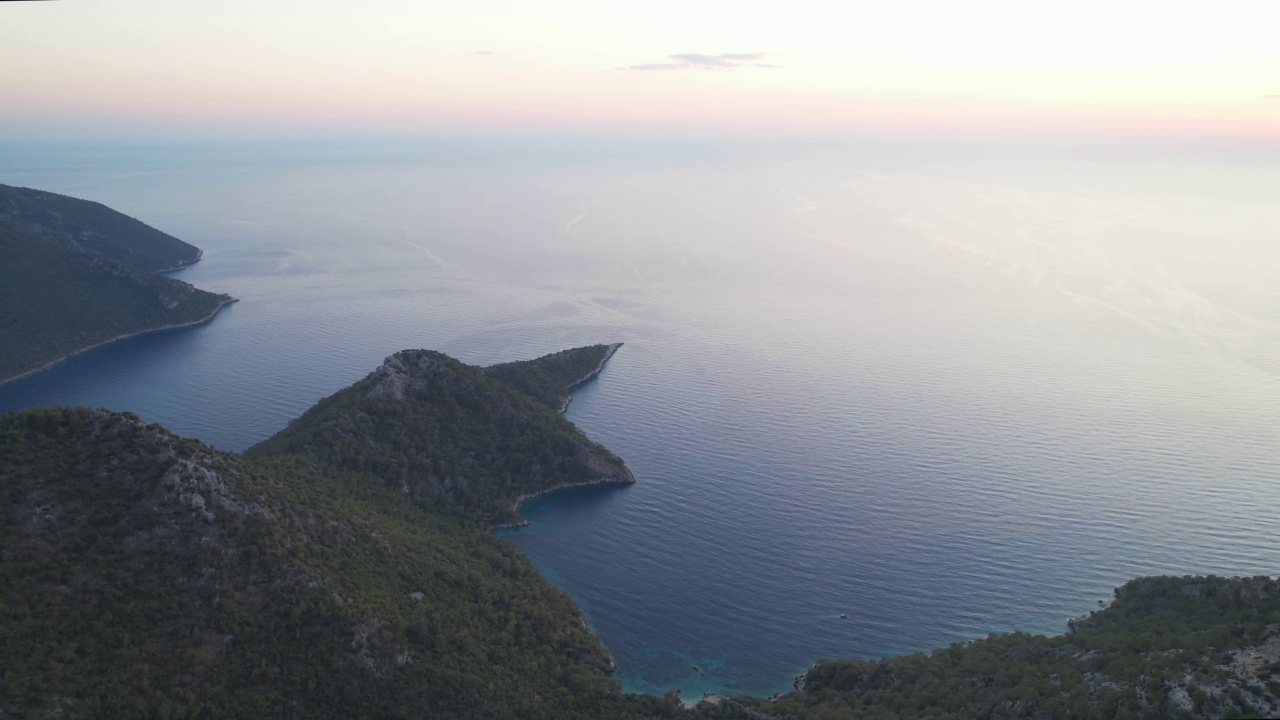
843, 616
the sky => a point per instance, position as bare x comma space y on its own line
801, 68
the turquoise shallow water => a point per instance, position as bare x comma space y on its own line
943, 394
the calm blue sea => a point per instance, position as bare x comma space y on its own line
939, 391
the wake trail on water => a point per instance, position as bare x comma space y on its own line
1071, 245
569, 227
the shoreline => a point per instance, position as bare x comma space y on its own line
521, 500
712, 698
568, 398
183, 265
177, 326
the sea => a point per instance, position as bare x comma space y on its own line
879, 396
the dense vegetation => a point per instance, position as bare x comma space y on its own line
451, 436
549, 378
74, 274
146, 575
344, 569
92, 227
1166, 647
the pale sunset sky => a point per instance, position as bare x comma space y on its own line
802, 68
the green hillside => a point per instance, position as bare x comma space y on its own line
1165, 648
345, 569
146, 575
91, 227
65, 287
447, 435
549, 378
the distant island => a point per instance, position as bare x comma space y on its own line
76, 274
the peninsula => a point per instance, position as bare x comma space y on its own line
551, 377
342, 568
76, 274
345, 568
452, 437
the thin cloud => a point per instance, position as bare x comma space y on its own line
484, 52
695, 61
657, 66
1271, 97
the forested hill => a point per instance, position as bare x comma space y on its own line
1165, 648
75, 274
90, 227
549, 378
449, 435
145, 575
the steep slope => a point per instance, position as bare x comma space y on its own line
1166, 647
56, 300
90, 227
448, 435
146, 575
549, 379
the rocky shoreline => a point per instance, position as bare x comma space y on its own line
594, 372
515, 507
628, 480
227, 300
184, 265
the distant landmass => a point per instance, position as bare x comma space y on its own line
346, 568
75, 274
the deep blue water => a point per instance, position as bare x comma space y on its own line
945, 393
